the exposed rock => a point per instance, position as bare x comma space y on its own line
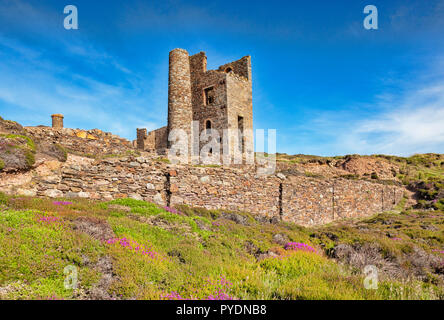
26, 192
205, 179
83, 194
281, 239
159, 199
239, 219
135, 196
17, 153
53, 150
53, 193
360, 256
177, 254
266, 255
370, 167
281, 176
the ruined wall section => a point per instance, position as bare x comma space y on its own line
198, 65
309, 201
138, 178
241, 67
141, 137
156, 139
216, 112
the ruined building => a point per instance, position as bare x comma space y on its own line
215, 99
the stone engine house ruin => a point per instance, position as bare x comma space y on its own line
215, 99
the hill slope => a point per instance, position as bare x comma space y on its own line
129, 249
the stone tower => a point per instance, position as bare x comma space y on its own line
180, 110
218, 99
57, 121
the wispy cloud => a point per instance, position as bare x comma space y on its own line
399, 123
32, 86
413, 124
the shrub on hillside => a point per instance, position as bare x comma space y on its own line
54, 150
17, 152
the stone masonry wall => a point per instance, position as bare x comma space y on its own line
229, 188
106, 180
298, 199
308, 201
156, 139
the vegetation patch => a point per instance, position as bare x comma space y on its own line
132, 249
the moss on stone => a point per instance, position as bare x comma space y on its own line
164, 160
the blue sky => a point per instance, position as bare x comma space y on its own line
329, 86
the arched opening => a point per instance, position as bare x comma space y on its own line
228, 70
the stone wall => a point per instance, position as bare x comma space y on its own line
105, 180
154, 140
230, 188
309, 201
298, 199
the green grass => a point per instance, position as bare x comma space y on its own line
197, 247
164, 160
34, 255
134, 153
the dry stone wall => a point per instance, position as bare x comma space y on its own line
309, 201
106, 180
299, 199
229, 188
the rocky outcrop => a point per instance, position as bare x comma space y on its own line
375, 168
91, 143
17, 153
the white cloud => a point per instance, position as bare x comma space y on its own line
32, 87
414, 123
401, 121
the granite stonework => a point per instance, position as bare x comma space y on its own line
299, 199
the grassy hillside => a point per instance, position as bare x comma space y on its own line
129, 249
